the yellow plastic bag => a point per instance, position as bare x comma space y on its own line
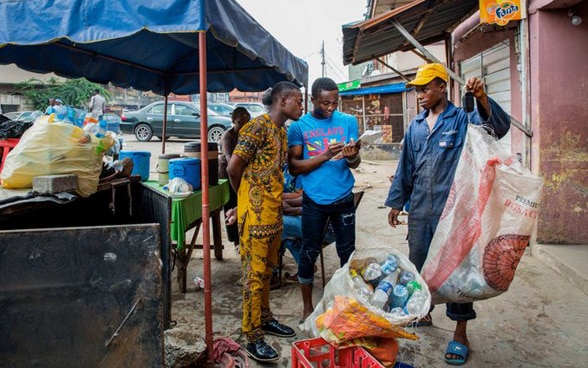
55, 148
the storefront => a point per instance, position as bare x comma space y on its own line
381, 108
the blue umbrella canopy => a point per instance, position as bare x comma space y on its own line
149, 45
146, 44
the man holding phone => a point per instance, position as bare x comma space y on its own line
322, 148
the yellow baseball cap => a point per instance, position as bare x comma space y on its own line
427, 73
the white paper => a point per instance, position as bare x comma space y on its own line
371, 136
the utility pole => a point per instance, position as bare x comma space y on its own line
323, 58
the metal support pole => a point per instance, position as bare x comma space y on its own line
455, 77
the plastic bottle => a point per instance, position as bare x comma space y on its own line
405, 277
390, 264
383, 290
413, 286
398, 297
397, 312
360, 285
414, 304
372, 273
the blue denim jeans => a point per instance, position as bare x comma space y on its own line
292, 236
314, 219
420, 235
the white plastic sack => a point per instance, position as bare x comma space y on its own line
342, 284
486, 224
54, 148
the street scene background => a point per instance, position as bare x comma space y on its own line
538, 322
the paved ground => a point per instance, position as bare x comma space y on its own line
539, 322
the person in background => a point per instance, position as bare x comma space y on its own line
239, 116
322, 150
59, 109
49, 109
431, 149
255, 172
292, 204
97, 105
292, 236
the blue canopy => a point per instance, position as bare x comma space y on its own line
146, 44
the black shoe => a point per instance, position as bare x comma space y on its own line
261, 351
274, 327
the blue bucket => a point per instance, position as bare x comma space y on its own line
187, 169
140, 162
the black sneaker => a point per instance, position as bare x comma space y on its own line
261, 351
274, 327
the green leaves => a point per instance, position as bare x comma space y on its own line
73, 92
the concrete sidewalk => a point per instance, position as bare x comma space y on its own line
539, 322
569, 261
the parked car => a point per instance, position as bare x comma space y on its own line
221, 108
183, 121
254, 108
28, 116
112, 122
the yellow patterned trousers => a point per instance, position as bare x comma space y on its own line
259, 255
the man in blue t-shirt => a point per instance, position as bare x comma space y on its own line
322, 148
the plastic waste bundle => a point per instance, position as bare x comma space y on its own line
388, 286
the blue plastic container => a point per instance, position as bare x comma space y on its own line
140, 162
186, 168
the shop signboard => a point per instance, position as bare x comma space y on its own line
500, 12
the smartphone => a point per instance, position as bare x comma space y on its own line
467, 101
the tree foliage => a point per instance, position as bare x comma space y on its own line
73, 92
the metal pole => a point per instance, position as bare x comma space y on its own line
164, 129
456, 77
205, 203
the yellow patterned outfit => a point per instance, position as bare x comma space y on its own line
259, 215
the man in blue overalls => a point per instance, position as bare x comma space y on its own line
430, 153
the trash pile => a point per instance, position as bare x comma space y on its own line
58, 147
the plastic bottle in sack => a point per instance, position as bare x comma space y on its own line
397, 312
405, 277
414, 304
360, 285
398, 297
383, 290
413, 286
390, 264
372, 273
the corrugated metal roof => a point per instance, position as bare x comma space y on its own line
428, 21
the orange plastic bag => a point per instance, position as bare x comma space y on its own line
350, 323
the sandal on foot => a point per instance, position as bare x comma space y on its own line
457, 349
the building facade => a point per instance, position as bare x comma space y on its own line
535, 68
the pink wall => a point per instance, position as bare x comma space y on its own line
559, 114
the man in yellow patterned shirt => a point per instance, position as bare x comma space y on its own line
255, 172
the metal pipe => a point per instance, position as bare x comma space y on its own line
451, 73
164, 128
205, 203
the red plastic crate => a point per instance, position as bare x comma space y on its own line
317, 353
6, 145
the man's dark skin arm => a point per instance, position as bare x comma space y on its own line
292, 203
235, 170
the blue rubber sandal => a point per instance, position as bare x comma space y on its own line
459, 349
